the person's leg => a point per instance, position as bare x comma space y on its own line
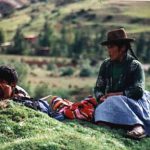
123, 112
133, 131
137, 132
111, 125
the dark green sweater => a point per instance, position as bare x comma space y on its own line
126, 76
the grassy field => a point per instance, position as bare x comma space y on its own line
19, 58
142, 13
25, 129
38, 75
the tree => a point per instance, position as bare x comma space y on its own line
45, 38
20, 45
99, 50
63, 42
80, 44
2, 37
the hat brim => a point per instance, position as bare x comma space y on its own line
127, 40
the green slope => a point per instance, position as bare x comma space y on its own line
135, 16
25, 129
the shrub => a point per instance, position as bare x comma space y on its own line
41, 90
27, 87
68, 71
84, 63
22, 69
108, 18
51, 66
64, 93
85, 72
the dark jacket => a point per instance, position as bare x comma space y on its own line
126, 76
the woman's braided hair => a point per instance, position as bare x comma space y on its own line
128, 46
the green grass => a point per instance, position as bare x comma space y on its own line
132, 28
19, 58
25, 129
13, 22
141, 12
21, 17
9, 25
147, 82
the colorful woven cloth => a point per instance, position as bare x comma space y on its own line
83, 110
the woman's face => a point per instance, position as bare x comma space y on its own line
115, 52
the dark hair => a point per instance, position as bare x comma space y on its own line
128, 47
8, 74
1, 93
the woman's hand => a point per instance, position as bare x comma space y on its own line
103, 98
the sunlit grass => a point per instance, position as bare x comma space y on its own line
13, 22
142, 12
85, 4
25, 129
131, 28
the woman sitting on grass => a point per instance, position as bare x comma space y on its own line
119, 88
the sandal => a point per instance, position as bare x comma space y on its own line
137, 133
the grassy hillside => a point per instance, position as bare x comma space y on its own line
25, 129
89, 14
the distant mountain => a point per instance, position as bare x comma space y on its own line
15, 3
8, 6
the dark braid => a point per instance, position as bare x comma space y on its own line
131, 51
128, 47
8, 74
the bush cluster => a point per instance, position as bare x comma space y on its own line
67, 71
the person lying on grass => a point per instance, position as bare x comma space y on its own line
8, 83
58, 108
10, 90
120, 90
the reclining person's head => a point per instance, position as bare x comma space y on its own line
8, 81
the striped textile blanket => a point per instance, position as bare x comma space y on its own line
83, 110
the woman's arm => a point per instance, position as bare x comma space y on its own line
99, 89
136, 89
103, 98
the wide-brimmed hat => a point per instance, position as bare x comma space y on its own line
117, 36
